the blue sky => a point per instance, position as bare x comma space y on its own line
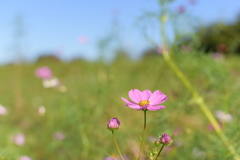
56, 25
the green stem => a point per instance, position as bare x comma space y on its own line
196, 97
115, 142
144, 129
159, 152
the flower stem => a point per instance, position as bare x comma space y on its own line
159, 152
115, 142
144, 129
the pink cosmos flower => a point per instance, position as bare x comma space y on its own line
145, 100
19, 139
25, 158
165, 139
43, 73
113, 124
3, 110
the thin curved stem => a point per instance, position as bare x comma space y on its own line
115, 142
159, 152
143, 134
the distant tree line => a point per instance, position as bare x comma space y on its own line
218, 37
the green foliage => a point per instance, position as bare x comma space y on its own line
93, 97
220, 37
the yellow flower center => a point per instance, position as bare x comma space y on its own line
143, 103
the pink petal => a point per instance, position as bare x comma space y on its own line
133, 96
155, 108
146, 94
131, 104
157, 97
127, 101
134, 106
138, 95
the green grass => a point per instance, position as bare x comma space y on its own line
93, 98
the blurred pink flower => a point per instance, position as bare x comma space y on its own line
19, 139
83, 39
177, 131
211, 128
43, 73
181, 9
223, 117
59, 135
217, 56
41, 110
145, 100
3, 110
25, 158
114, 157
192, 2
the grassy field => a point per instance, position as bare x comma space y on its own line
80, 114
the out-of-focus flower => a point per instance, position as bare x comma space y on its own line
217, 56
192, 2
113, 124
43, 73
177, 131
211, 128
152, 139
223, 117
41, 110
24, 158
145, 100
59, 136
3, 110
181, 9
165, 139
19, 139
83, 39
51, 83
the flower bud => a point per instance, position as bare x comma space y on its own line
113, 124
157, 143
165, 139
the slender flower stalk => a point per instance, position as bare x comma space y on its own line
143, 135
197, 98
159, 152
115, 142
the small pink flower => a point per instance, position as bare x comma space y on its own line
181, 9
19, 139
165, 139
3, 110
43, 73
113, 124
59, 136
25, 158
145, 100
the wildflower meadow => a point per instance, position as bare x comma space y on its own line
41, 122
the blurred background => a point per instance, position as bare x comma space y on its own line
65, 64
